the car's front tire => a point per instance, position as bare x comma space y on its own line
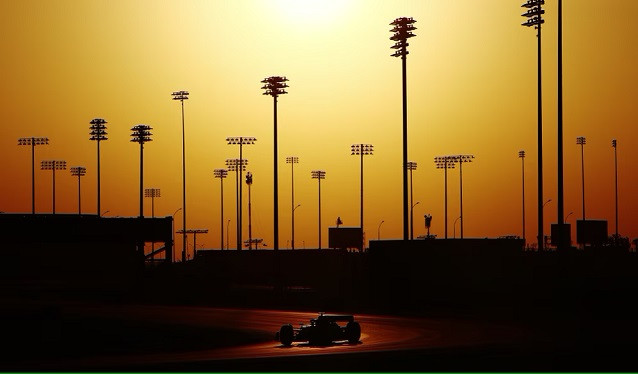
353, 332
286, 334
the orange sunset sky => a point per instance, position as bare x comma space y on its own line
471, 90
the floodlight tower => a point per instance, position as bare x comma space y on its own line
152, 193
521, 155
582, 141
241, 141
221, 174
444, 162
98, 133
461, 159
78, 171
141, 134
402, 30
53, 165
33, 141
534, 18
275, 86
411, 165
181, 96
292, 160
614, 144
319, 175
249, 182
237, 165
362, 150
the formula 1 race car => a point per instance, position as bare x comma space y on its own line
322, 330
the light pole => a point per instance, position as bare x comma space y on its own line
33, 141
582, 141
53, 165
221, 174
292, 160
319, 175
152, 193
462, 159
570, 213
614, 144
534, 18
543, 211
241, 141
275, 86
411, 165
78, 171
227, 236
237, 165
444, 162
141, 134
98, 133
562, 242
521, 154
362, 150
402, 30
412, 219
181, 96
379, 230
103, 213
173, 235
249, 182
454, 230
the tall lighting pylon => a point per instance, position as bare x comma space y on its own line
614, 144
402, 30
78, 171
141, 134
221, 174
237, 165
319, 175
241, 141
362, 150
98, 133
582, 141
33, 141
53, 165
181, 96
411, 167
292, 160
521, 155
444, 162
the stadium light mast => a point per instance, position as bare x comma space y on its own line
237, 165
582, 141
141, 134
362, 150
521, 155
53, 165
181, 96
241, 141
98, 133
614, 144
152, 193
319, 175
461, 159
78, 171
275, 86
402, 30
444, 162
411, 167
534, 18
292, 160
249, 183
33, 141
221, 174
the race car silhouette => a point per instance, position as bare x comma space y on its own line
322, 330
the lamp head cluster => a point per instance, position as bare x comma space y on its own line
235, 164
362, 149
249, 178
521, 154
292, 160
98, 129
152, 192
581, 140
613, 143
78, 171
411, 165
464, 158
402, 30
318, 174
534, 13
180, 95
33, 141
141, 134
220, 173
241, 140
53, 165
275, 86
444, 162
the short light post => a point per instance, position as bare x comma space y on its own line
78, 171
141, 134
521, 155
98, 133
53, 165
194, 232
221, 174
319, 175
444, 162
249, 182
275, 86
411, 167
379, 230
292, 160
582, 141
237, 165
33, 141
614, 144
362, 150
412, 219
181, 96
454, 225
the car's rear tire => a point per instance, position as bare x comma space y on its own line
353, 332
286, 334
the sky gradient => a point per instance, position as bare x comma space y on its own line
471, 90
